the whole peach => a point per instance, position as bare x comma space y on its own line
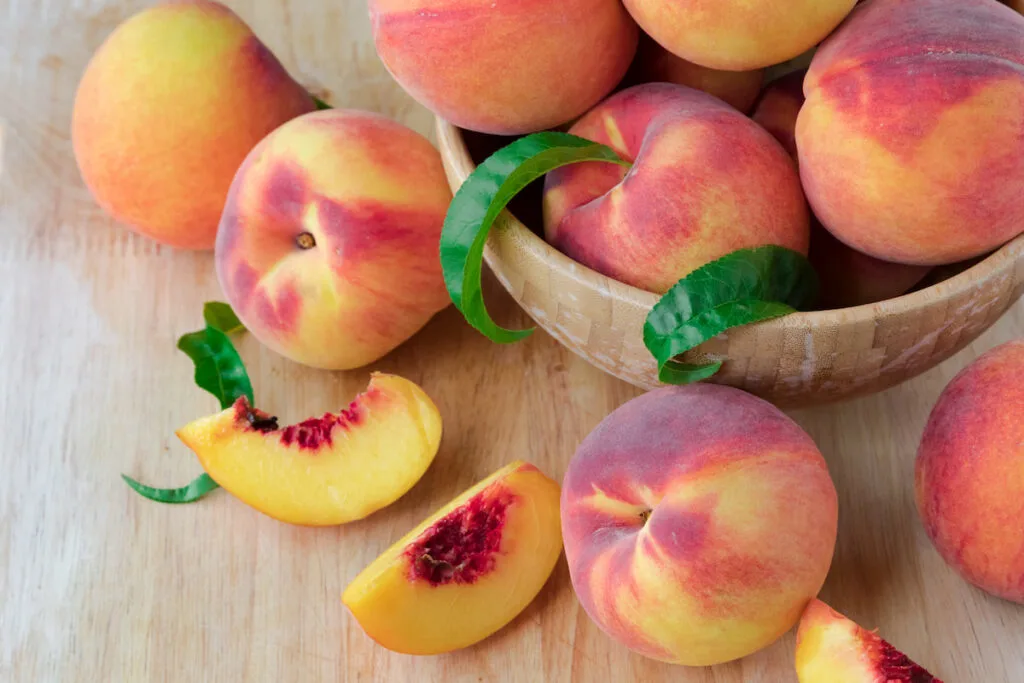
167, 110
328, 247
848, 277
970, 472
705, 181
699, 522
910, 140
738, 35
505, 67
655, 64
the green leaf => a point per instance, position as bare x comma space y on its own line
479, 202
199, 487
220, 371
320, 104
744, 287
219, 368
219, 315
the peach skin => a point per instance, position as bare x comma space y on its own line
910, 140
465, 572
166, 111
328, 247
737, 35
655, 64
699, 521
969, 478
323, 471
505, 67
705, 181
848, 277
832, 649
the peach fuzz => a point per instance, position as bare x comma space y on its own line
505, 68
969, 474
848, 277
705, 181
833, 649
698, 523
323, 471
167, 110
328, 247
738, 35
655, 64
910, 140
466, 571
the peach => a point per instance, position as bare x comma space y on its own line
705, 181
698, 523
323, 471
505, 67
969, 479
465, 572
655, 64
778, 106
1017, 5
910, 143
738, 35
848, 277
328, 247
833, 649
166, 111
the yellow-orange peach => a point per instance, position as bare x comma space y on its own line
833, 649
910, 144
323, 471
969, 478
698, 523
848, 277
328, 247
705, 181
738, 35
505, 67
167, 110
655, 64
465, 572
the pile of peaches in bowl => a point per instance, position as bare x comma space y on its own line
804, 199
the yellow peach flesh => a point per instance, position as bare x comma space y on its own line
411, 602
326, 471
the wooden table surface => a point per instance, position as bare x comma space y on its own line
101, 586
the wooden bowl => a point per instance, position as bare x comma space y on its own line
801, 359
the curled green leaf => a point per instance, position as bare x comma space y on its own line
219, 315
320, 104
199, 487
741, 288
482, 198
219, 368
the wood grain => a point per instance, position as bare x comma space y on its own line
100, 585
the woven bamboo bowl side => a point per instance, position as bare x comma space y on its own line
801, 359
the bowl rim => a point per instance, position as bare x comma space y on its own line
456, 155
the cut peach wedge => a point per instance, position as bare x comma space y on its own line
833, 649
465, 572
328, 470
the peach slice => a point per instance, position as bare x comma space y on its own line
833, 649
324, 471
465, 572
